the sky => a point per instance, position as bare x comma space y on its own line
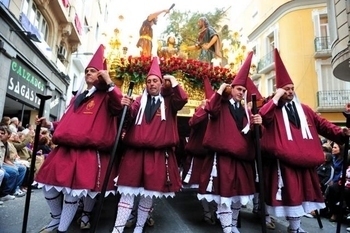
136, 11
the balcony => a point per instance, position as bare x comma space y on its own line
332, 100
322, 47
266, 63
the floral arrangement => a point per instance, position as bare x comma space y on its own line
136, 69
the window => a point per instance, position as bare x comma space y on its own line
36, 18
270, 42
324, 25
271, 84
5, 2
257, 83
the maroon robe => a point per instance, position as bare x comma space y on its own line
234, 150
144, 161
79, 135
194, 147
298, 158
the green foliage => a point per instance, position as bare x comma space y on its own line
185, 24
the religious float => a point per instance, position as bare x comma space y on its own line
189, 73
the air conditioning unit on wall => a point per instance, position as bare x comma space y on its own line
62, 52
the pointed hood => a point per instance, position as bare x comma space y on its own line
252, 89
98, 61
208, 90
282, 76
243, 73
155, 69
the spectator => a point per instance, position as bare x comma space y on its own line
15, 160
334, 194
326, 171
337, 152
13, 175
5, 121
14, 123
2, 156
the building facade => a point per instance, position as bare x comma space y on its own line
37, 40
338, 12
300, 30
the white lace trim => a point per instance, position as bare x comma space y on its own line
244, 199
73, 192
294, 211
126, 190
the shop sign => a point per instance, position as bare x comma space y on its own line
23, 83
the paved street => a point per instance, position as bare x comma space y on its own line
181, 214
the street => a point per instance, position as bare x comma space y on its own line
180, 214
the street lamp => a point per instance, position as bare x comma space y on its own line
85, 54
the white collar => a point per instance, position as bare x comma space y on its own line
91, 91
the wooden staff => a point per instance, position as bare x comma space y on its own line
43, 99
260, 169
110, 164
343, 178
171, 7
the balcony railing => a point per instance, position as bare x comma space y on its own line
333, 99
322, 43
265, 61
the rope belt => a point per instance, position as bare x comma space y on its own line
146, 37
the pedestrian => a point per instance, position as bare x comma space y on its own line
228, 174
148, 167
293, 151
84, 137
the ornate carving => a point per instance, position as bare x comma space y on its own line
74, 46
66, 29
42, 4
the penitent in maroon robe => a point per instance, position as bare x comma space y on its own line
234, 157
297, 159
84, 139
195, 151
143, 169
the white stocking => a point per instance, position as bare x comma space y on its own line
235, 207
294, 224
70, 206
224, 214
145, 206
54, 200
124, 210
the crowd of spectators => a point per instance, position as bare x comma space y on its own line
16, 147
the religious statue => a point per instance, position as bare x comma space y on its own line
170, 49
146, 33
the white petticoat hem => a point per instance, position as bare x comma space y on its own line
244, 199
135, 191
294, 211
73, 192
